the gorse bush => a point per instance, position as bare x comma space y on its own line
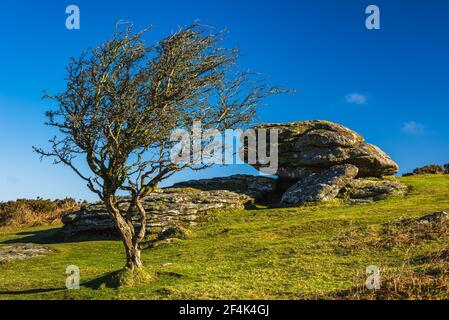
431, 169
446, 168
25, 212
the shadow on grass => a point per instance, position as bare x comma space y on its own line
55, 236
109, 280
31, 291
120, 278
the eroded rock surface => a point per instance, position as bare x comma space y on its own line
22, 252
322, 186
436, 217
370, 189
166, 208
253, 186
312, 146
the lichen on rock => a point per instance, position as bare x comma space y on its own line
322, 186
312, 146
22, 252
371, 189
252, 186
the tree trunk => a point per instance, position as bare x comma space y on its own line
133, 257
133, 254
140, 235
126, 231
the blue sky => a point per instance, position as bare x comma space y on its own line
391, 85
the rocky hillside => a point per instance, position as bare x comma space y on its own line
318, 161
298, 252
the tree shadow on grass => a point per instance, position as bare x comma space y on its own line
31, 291
56, 236
109, 280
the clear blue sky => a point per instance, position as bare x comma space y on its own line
391, 85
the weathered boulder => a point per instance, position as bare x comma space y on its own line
434, 218
322, 186
367, 190
22, 252
252, 186
309, 147
166, 208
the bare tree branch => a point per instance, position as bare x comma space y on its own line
124, 99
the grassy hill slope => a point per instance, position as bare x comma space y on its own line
293, 253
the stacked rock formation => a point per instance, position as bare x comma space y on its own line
318, 160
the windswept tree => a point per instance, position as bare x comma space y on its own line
124, 99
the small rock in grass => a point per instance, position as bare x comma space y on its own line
436, 217
173, 232
22, 252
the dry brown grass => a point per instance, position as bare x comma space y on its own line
427, 281
28, 213
420, 278
404, 233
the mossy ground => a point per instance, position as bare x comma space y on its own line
292, 253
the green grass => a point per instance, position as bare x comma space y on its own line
290, 253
